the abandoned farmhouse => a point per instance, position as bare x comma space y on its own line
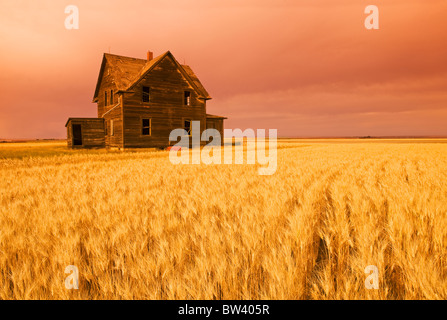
140, 102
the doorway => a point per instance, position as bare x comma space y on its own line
77, 135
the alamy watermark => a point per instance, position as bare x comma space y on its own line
72, 281
372, 280
256, 147
72, 20
371, 21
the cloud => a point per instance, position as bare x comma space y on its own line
261, 61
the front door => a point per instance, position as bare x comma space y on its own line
77, 135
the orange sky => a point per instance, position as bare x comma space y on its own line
304, 67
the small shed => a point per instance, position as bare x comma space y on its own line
215, 122
85, 133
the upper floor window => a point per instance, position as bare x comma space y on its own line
105, 98
187, 98
146, 94
111, 96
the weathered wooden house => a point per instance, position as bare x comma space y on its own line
140, 102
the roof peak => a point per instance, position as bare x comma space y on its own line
122, 56
127, 57
129, 70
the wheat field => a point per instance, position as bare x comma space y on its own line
138, 227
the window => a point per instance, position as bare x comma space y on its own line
146, 127
111, 96
146, 94
105, 98
187, 127
112, 130
187, 98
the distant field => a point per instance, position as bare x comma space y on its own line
139, 227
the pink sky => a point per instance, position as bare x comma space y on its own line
304, 67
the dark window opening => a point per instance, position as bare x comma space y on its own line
146, 95
77, 135
187, 126
105, 98
146, 127
111, 96
187, 98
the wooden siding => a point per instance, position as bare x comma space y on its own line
112, 110
116, 115
107, 84
166, 107
92, 133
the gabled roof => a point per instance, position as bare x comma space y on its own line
127, 72
123, 70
